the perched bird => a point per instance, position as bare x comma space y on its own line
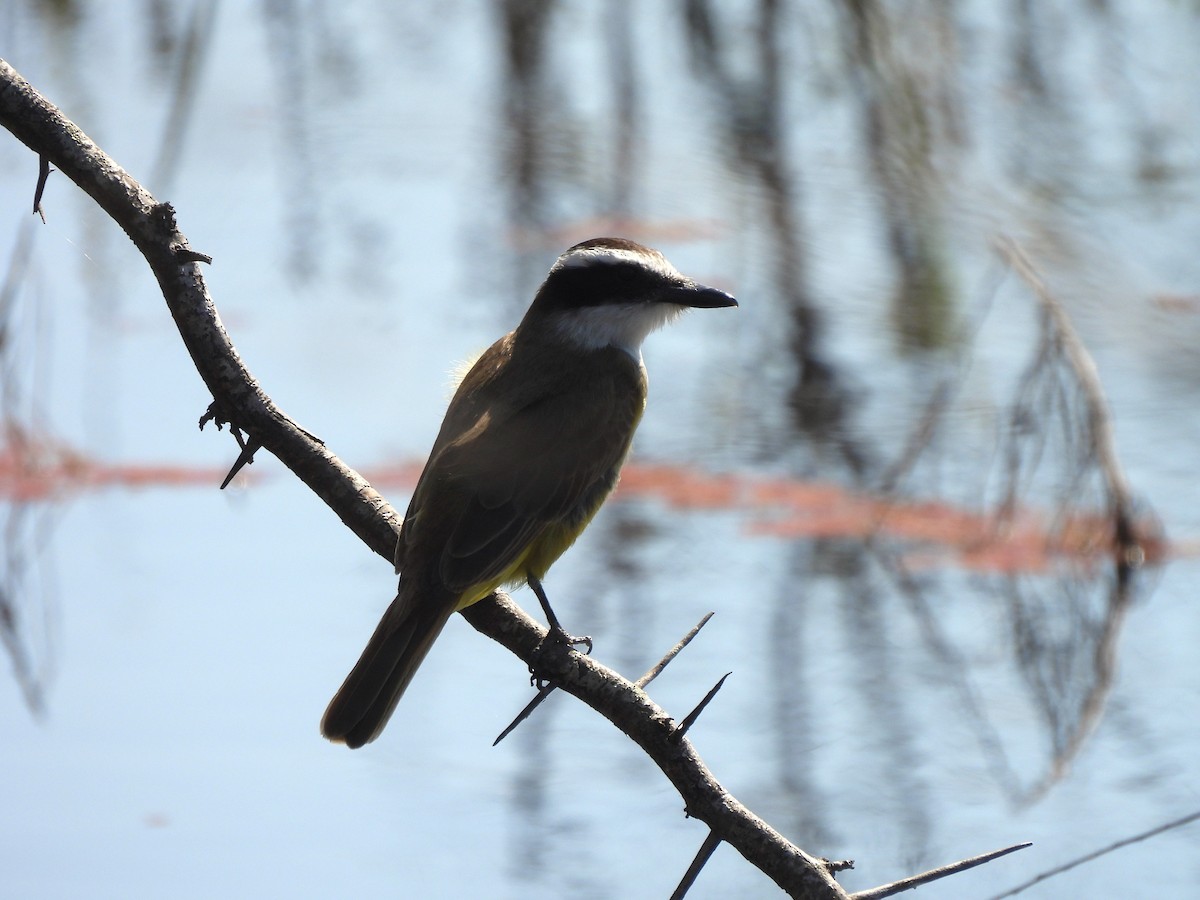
532, 444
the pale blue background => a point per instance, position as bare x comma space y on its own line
350, 168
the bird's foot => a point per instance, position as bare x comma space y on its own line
550, 654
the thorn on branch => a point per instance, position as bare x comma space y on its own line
533, 704
906, 884
186, 255
672, 653
163, 217
44, 171
545, 690
249, 445
833, 866
690, 719
702, 856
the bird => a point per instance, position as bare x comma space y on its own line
531, 445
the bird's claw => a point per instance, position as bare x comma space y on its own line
555, 641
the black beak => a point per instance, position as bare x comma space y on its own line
698, 296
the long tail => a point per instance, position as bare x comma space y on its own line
365, 701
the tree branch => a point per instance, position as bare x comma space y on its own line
241, 402
1103, 851
151, 226
915, 881
650, 727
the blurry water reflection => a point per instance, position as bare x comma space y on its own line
937, 480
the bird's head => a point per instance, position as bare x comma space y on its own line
614, 292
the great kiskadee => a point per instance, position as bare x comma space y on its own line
532, 444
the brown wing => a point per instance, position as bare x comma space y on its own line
517, 455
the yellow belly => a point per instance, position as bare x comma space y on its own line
536, 558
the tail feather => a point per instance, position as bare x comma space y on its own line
365, 701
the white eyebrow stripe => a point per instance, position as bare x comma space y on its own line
611, 256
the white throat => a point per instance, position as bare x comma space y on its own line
623, 326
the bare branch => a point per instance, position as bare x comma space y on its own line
151, 226
907, 884
1125, 842
650, 727
546, 690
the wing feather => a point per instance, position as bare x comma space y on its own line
514, 461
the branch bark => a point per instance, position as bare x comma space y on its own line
151, 226
240, 401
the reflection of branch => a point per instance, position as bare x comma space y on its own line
955, 670
28, 678
921, 436
900, 124
10, 637
18, 453
753, 114
1089, 655
1069, 678
1087, 712
10, 289
189, 64
1063, 376
1127, 539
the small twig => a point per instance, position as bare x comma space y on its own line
672, 653
185, 254
1125, 842
702, 856
907, 884
690, 719
44, 171
543, 692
